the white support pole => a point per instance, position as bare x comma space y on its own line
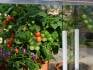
64, 45
76, 49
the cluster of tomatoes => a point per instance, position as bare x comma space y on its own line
9, 40
8, 19
38, 37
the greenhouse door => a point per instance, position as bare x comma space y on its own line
86, 37
77, 38
70, 38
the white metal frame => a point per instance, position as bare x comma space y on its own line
68, 2
64, 45
76, 49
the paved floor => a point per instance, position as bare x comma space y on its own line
86, 57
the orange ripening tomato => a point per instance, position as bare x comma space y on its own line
38, 39
9, 18
16, 50
37, 34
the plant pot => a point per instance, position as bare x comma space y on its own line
3, 66
45, 66
59, 66
25, 67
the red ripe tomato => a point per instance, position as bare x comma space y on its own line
9, 44
5, 22
11, 39
37, 34
16, 50
10, 18
38, 39
12, 34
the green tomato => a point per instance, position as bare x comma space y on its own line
90, 20
10, 27
33, 22
84, 16
39, 43
17, 42
46, 33
50, 39
86, 21
90, 26
42, 35
24, 28
6, 30
44, 39
37, 48
31, 33
32, 48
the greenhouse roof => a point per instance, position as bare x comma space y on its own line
74, 2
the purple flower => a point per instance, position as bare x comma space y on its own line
33, 56
6, 54
24, 50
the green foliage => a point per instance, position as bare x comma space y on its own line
29, 19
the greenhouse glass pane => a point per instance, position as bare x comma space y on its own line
86, 40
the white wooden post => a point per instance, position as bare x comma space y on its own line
76, 49
64, 45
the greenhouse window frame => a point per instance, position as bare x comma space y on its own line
61, 2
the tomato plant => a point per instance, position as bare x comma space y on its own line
34, 33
